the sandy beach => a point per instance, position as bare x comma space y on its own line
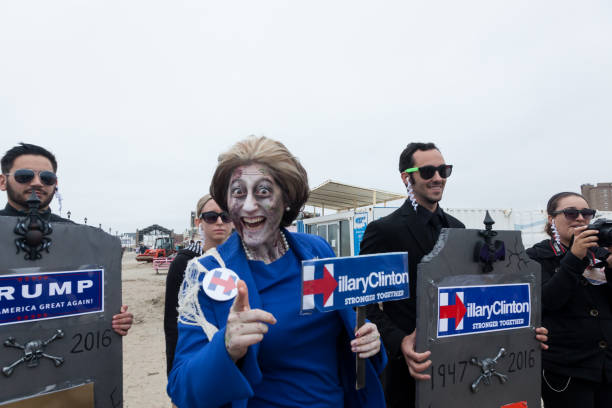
144, 350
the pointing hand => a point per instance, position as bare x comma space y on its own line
245, 326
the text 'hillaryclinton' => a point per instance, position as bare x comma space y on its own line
336, 283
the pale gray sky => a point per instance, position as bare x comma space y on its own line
137, 98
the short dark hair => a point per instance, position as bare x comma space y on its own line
551, 207
406, 160
25, 148
285, 168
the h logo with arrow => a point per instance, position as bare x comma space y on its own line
324, 286
341, 283
455, 311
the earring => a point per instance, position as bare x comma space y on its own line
411, 195
59, 199
287, 208
556, 235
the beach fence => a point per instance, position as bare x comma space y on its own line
162, 263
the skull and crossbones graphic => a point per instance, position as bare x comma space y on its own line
487, 367
33, 351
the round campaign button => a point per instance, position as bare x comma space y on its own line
220, 284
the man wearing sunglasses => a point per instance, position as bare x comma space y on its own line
27, 168
414, 228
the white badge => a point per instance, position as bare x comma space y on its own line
220, 284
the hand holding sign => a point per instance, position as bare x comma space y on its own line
367, 341
245, 326
341, 283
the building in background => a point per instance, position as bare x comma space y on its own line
192, 232
128, 239
599, 196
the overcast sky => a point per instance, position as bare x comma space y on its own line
137, 98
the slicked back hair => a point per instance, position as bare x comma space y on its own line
25, 148
201, 203
285, 168
406, 160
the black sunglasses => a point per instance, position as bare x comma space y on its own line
210, 217
24, 176
427, 172
572, 213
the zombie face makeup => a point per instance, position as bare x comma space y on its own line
255, 203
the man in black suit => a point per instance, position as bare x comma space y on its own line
415, 228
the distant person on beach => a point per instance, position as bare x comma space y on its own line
215, 226
27, 168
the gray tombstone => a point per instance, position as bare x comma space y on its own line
55, 316
479, 326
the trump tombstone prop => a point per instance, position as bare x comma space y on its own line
60, 285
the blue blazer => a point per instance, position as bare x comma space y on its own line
204, 375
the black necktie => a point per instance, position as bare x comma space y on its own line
436, 223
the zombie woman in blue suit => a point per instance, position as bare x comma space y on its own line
242, 339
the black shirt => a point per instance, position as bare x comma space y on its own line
433, 221
46, 215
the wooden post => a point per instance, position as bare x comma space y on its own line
360, 362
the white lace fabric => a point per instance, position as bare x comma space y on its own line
189, 309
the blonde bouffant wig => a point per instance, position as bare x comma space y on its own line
284, 167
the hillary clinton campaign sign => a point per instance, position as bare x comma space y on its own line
474, 309
337, 283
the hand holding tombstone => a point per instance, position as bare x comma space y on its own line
122, 322
417, 362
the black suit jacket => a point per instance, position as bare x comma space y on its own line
400, 231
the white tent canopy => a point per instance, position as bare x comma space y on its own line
339, 196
